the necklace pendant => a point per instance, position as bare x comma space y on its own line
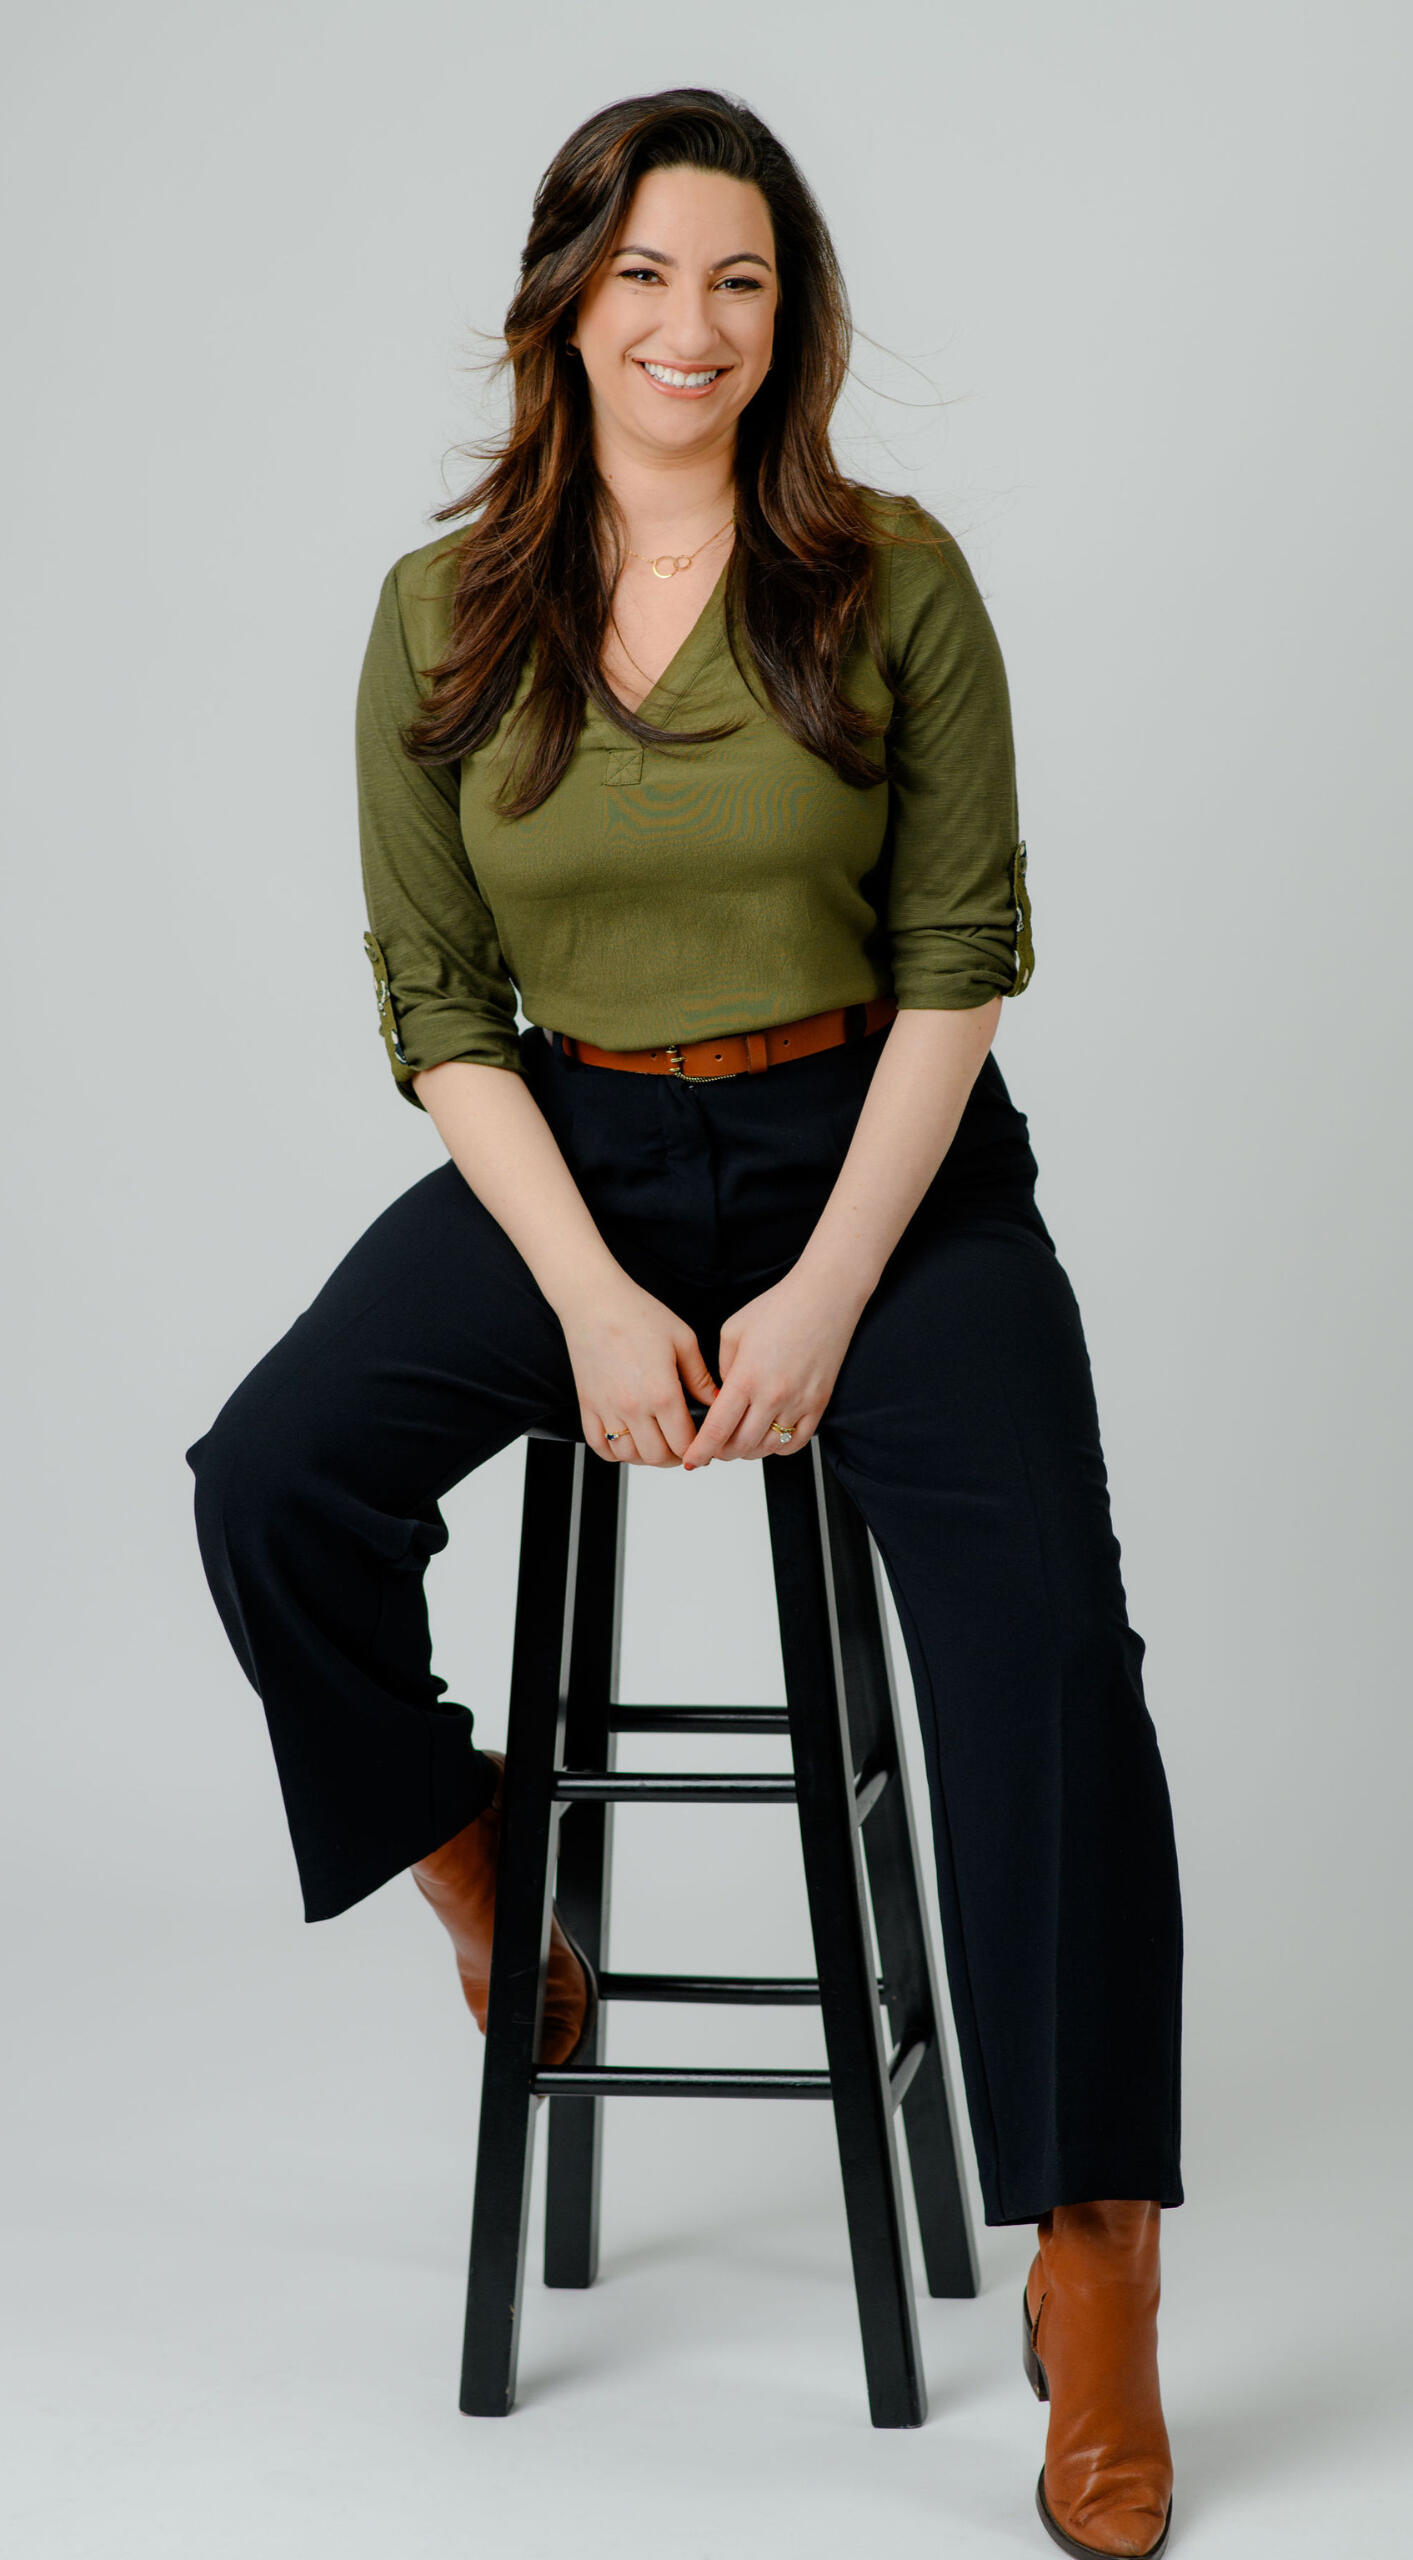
674, 560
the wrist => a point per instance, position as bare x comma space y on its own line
843, 1275
591, 1279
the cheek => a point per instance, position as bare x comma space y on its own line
758, 338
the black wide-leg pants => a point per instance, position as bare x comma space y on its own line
963, 1425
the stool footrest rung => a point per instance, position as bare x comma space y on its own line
867, 1792
698, 1720
641, 2080
654, 1786
903, 2066
781, 1991
629, 1786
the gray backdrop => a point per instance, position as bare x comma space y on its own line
1130, 305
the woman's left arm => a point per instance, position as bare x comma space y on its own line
800, 1329
911, 1111
959, 941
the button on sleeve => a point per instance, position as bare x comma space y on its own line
441, 983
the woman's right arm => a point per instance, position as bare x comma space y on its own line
446, 1010
630, 1353
496, 1134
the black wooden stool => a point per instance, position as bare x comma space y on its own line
850, 1785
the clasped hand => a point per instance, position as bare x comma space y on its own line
636, 1360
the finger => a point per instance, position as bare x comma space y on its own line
718, 1428
757, 1436
801, 1434
651, 1448
749, 1437
697, 1381
676, 1423
696, 1376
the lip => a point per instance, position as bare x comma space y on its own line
679, 391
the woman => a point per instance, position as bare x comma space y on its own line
707, 751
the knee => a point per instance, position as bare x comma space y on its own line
247, 1467
1100, 1660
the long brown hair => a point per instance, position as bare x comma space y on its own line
531, 568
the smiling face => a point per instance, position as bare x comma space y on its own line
675, 328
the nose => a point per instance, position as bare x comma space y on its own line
689, 329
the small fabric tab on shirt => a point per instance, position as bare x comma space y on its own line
623, 764
1025, 946
387, 1017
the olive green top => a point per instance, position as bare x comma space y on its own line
664, 894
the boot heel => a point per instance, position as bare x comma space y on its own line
585, 2037
1034, 2369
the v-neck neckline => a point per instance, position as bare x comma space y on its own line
684, 657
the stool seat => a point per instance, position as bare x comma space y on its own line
848, 1783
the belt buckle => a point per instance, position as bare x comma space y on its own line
677, 1068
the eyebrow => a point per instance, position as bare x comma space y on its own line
738, 258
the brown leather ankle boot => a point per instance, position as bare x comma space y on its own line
459, 1881
1091, 2350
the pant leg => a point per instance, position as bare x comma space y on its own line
963, 1424
428, 1349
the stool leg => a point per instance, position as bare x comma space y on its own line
573, 2170
829, 1836
520, 1947
899, 1910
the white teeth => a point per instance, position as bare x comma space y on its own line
680, 381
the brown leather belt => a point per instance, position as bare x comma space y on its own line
738, 1053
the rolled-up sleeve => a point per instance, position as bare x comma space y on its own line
440, 980
958, 904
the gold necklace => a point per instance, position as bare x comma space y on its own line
677, 559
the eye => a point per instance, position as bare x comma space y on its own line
630, 275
